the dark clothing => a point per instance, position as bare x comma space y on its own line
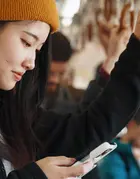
31, 171
77, 94
64, 104
121, 163
61, 101
76, 134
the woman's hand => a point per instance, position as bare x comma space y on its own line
61, 167
116, 45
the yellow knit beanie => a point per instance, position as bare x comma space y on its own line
42, 10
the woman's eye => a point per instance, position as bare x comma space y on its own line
26, 43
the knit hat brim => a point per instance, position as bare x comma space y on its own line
42, 10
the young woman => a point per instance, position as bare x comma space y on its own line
24, 29
27, 132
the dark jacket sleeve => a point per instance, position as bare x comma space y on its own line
77, 134
94, 89
31, 171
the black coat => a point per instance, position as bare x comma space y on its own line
77, 134
64, 104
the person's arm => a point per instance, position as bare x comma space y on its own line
73, 134
94, 89
51, 167
113, 167
30, 171
116, 44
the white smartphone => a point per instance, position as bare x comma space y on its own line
97, 154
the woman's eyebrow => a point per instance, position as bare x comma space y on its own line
32, 35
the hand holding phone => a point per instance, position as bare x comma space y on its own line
96, 155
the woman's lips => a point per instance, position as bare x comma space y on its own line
17, 76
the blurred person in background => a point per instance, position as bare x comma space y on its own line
58, 96
61, 54
61, 96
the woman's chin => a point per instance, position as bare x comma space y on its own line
7, 86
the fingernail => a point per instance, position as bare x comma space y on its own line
87, 166
73, 159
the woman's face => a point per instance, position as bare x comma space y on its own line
19, 42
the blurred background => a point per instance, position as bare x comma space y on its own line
78, 21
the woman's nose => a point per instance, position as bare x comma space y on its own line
29, 64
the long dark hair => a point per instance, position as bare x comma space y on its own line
20, 110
